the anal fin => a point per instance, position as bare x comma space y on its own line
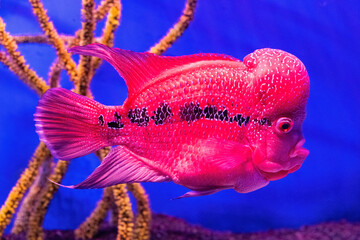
121, 166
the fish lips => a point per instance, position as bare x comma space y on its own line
272, 176
298, 151
296, 157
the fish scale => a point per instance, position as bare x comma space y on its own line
175, 100
207, 121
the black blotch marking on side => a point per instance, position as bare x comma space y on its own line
263, 121
222, 115
139, 116
115, 125
247, 120
210, 112
240, 119
117, 116
101, 120
191, 112
162, 114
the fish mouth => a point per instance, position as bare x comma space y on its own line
275, 170
272, 176
298, 151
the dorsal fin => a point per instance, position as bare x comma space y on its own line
138, 69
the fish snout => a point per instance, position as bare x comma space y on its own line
274, 169
299, 152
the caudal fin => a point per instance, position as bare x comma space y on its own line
69, 123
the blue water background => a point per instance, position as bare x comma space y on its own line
324, 34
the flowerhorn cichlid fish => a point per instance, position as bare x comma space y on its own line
207, 122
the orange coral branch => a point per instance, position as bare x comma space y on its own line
7, 61
54, 73
52, 34
177, 30
46, 195
90, 227
16, 62
112, 23
125, 218
23, 215
143, 218
86, 37
41, 39
45, 40
114, 214
103, 9
32, 39
57, 66
26, 179
101, 154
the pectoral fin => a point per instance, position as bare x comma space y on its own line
217, 165
225, 154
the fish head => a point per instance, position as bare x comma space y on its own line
281, 88
280, 150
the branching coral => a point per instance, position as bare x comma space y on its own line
24, 213
91, 225
26, 179
31, 214
142, 227
16, 62
51, 33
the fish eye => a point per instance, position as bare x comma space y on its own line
284, 125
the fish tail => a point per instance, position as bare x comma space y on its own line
69, 124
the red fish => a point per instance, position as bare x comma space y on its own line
208, 121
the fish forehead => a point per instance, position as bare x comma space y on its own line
281, 82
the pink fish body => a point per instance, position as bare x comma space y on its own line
208, 122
